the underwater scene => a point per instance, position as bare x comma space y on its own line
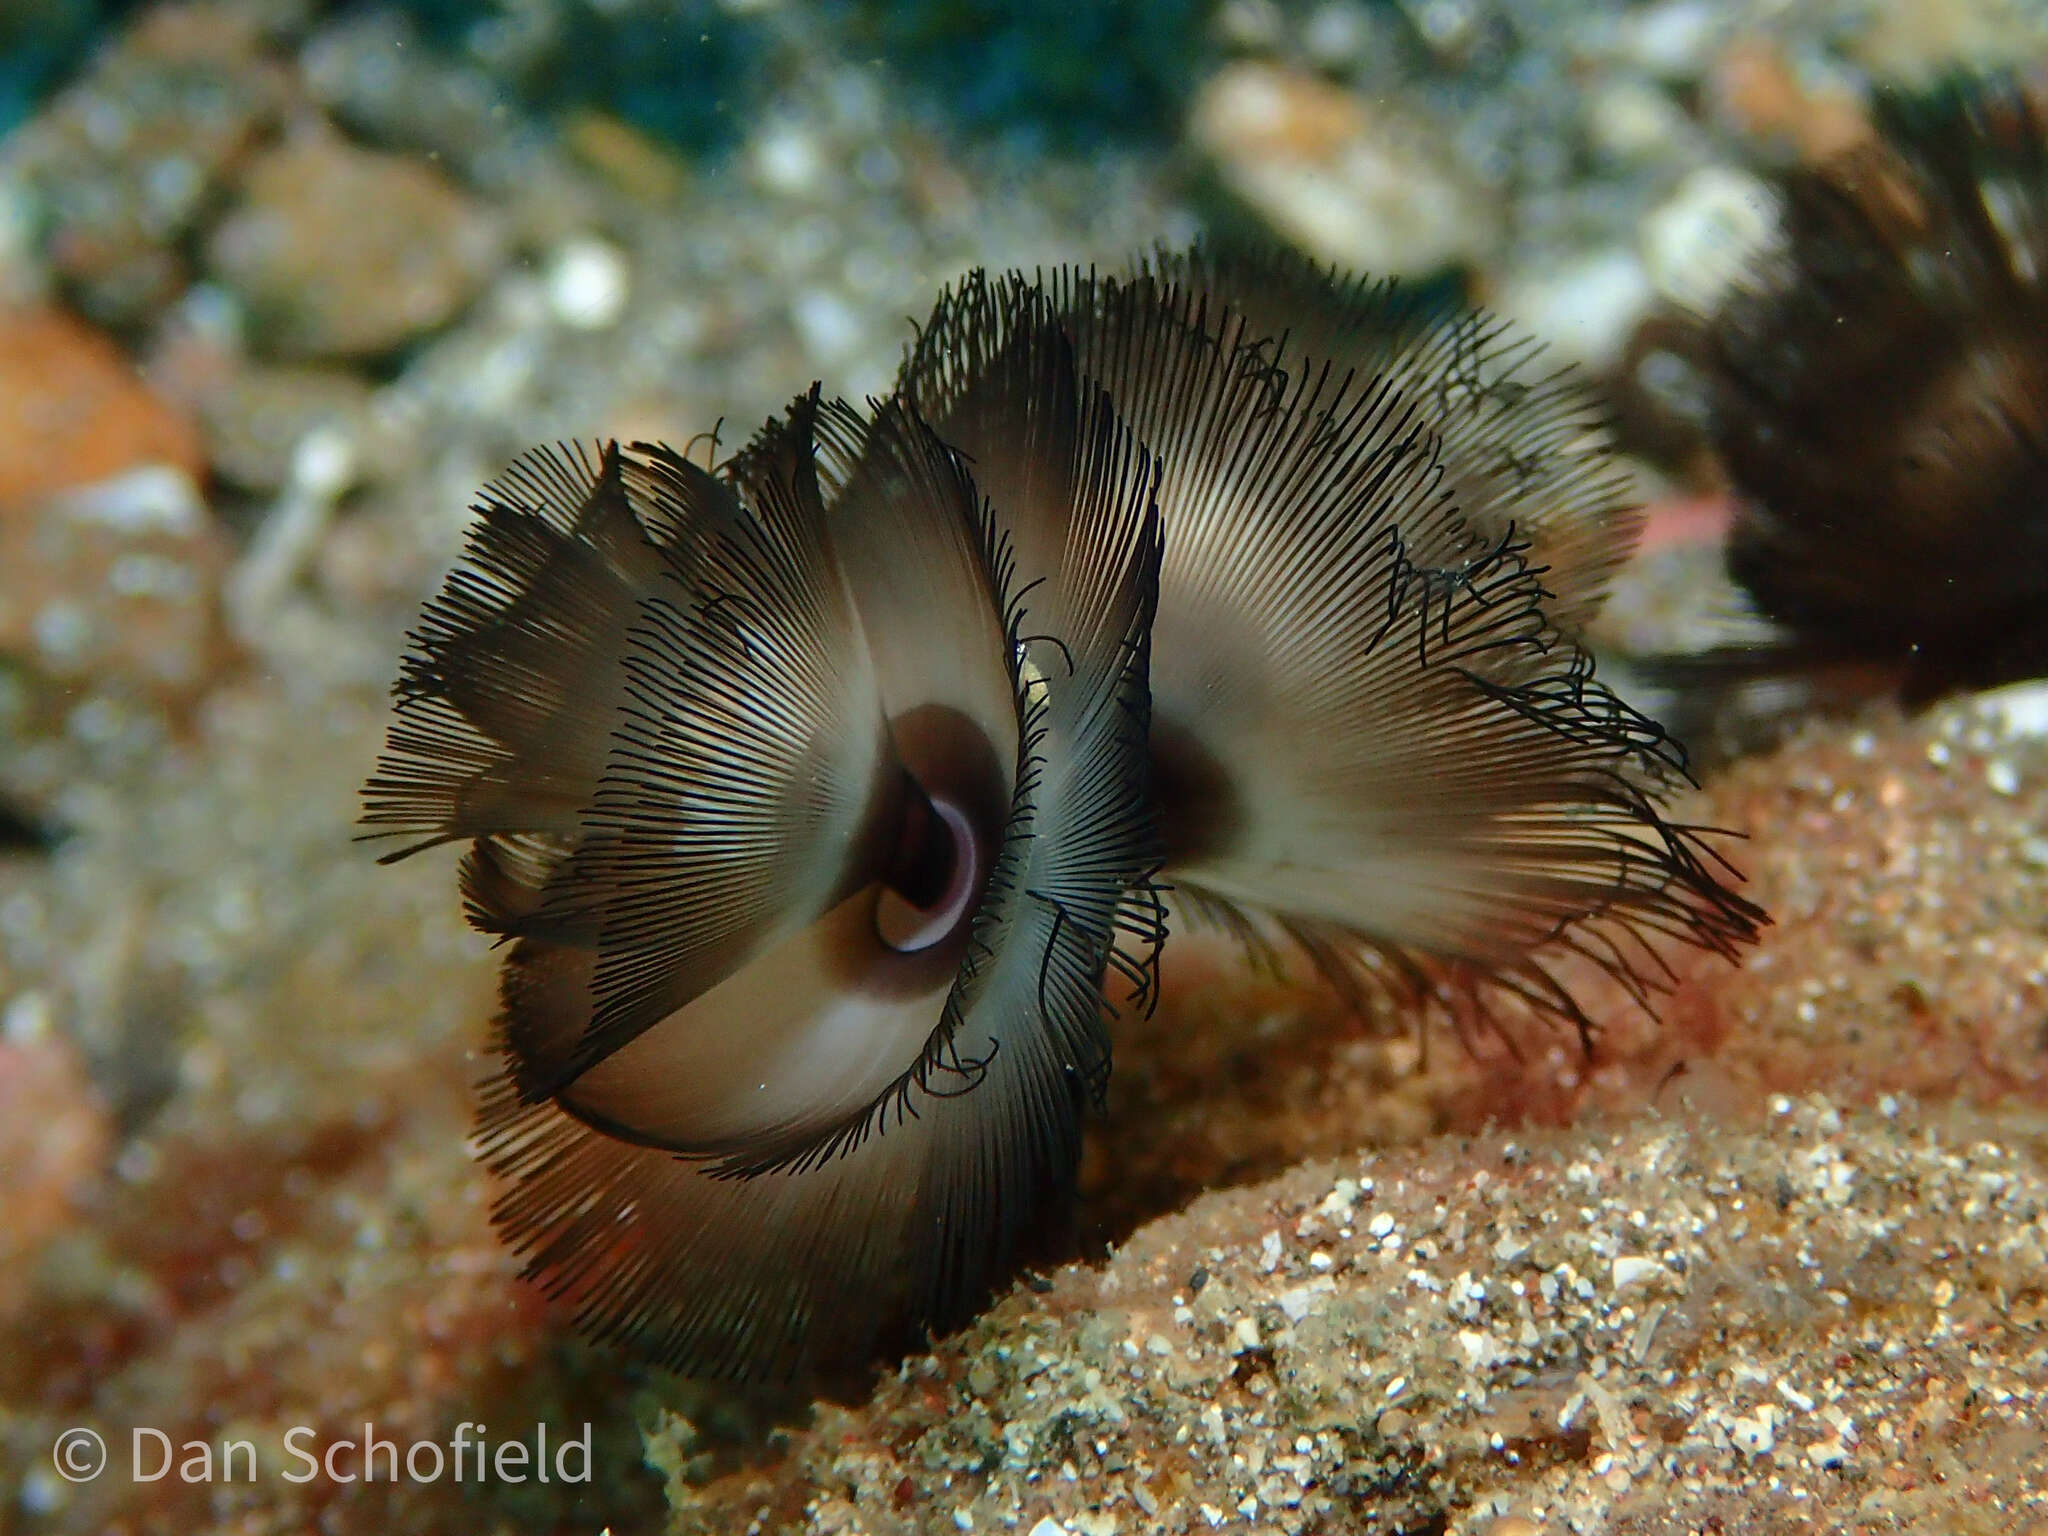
1267, 766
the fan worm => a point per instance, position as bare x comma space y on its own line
818, 798
1523, 448
808, 794
1877, 388
1369, 734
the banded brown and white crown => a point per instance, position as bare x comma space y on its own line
1523, 448
817, 797
1370, 733
808, 799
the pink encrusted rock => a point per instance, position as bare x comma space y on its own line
1903, 863
73, 411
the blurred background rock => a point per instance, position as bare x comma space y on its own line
282, 283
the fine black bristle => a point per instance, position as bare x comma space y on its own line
503, 702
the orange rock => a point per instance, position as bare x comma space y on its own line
73, 411
1757, 94
112, 564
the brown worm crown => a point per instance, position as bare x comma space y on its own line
1876, 390
820, 796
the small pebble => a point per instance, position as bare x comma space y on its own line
152, 499
1673, 40
26, 1019
788, 159
1359, 183
588, 284
1701, 239
1756, 1435
2020, 709
1337, 33
1632, 1269
826, 324
324, 463
1586, 307
1632, 120
1827, 1453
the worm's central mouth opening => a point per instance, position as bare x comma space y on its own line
950, 813
935, 879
